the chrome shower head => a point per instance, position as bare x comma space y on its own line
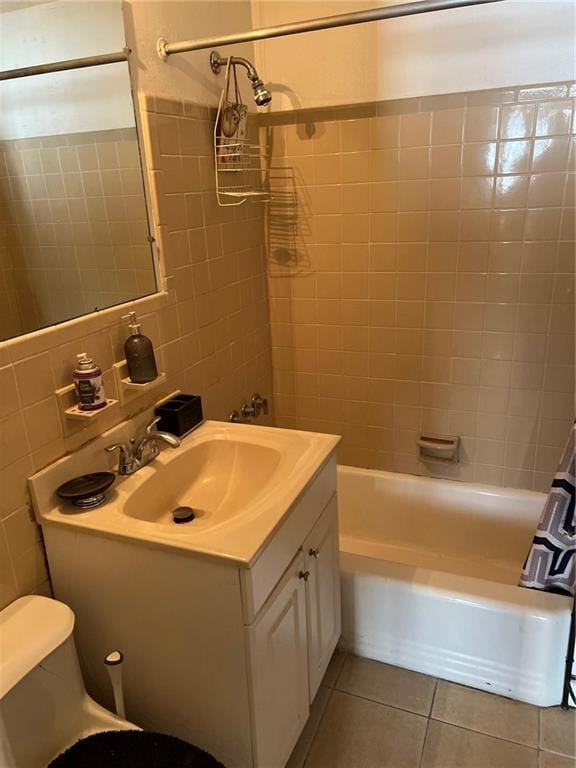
262, 95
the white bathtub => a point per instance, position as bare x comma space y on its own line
429, 582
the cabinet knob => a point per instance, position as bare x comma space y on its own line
304, 575
314, 553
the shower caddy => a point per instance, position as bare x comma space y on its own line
237, 161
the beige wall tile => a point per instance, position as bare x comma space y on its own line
511, 191
384, 132
550, 155
447, 126
481, 124
479, 159
355, 135
514, 156
415, 129
445, 161
517, 121
476, 193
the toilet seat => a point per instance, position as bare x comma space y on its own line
133, 749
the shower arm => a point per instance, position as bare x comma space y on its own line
217, 62
165, 49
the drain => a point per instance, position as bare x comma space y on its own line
183, 515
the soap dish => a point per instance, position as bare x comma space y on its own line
86, 491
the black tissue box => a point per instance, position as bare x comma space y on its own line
180, 414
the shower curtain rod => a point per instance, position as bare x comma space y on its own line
62, 66
166, 49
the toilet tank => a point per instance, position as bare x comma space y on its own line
41, 687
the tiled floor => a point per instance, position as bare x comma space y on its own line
371, 715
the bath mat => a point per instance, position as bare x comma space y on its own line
133, 749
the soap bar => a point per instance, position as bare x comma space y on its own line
180, 414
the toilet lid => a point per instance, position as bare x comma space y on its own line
133, 749
30, 629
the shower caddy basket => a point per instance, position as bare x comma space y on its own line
237, 162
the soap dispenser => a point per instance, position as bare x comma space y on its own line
139, 353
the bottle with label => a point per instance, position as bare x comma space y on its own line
88, 383
139, 353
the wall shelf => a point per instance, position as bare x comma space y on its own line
129, 390
76, 414
71, 414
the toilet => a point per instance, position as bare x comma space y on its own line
44, 706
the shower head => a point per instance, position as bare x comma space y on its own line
262, 95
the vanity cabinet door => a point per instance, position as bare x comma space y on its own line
279, 669
323, 587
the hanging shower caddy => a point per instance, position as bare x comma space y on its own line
237, 161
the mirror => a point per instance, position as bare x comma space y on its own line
74, 231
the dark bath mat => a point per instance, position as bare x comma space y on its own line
133, 749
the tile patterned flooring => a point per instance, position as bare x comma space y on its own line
372, 715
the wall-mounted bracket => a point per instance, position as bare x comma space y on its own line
161, 44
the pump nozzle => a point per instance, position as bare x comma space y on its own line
133, 325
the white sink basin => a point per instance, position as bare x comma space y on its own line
218, 478
240, 480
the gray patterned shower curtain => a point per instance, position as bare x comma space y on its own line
551, 562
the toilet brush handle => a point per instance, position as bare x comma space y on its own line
114, 662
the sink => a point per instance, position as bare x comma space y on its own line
218, 478
240, 480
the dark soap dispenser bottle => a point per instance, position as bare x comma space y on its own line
139, 353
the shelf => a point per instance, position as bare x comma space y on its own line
132, 386
76, 414
129, 390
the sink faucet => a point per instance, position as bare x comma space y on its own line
139, 452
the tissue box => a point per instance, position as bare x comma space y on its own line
180, 415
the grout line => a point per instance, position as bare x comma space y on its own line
540, 729
315, 733
434, 692
421, 760
483, 733
382, 704
424, 741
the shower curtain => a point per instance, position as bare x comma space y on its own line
551, 562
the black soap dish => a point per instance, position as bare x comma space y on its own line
180, 415
86, 491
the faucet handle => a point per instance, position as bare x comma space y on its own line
125, 456
152, 424
122, 447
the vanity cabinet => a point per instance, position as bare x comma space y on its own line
279, 668
323, 594
292, 640
225, 655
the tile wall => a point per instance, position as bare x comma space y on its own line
209, 326
421, 278
73, 227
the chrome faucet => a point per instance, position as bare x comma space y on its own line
139, 452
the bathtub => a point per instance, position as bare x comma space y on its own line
429, 582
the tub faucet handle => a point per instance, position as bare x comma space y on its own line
315, 553
260, 404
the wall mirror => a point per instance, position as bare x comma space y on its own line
74, 229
